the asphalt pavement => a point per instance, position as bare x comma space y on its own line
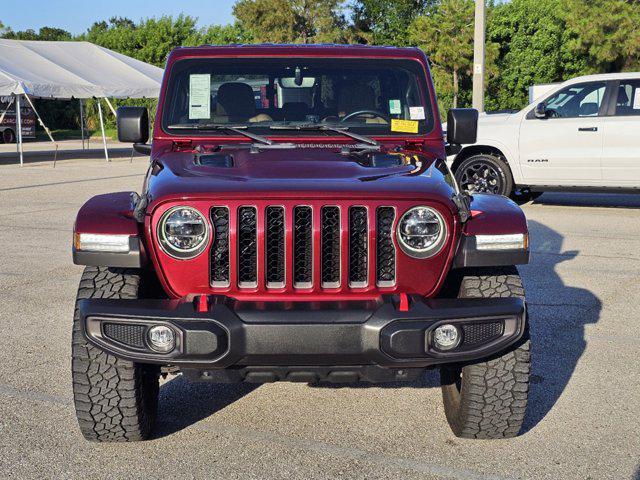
584, 416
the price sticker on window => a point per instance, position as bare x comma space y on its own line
199, 96
404, 126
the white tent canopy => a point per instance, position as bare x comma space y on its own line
73, 70
66, 70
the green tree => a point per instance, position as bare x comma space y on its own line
151, 40
384, 22
445, 33
45, 33
605, 33
532, 39
292, 21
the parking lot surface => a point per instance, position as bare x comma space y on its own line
584, 416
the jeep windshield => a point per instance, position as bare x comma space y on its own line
298, 97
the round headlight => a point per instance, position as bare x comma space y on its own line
421, 232
183, 232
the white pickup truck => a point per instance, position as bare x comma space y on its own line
582, 135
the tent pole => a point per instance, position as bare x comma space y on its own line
33, 107
81, 121
19, 130
113, 110
104, 138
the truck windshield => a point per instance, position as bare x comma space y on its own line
363, 96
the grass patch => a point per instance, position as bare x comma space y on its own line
69, 134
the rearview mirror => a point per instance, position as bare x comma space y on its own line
462, 126
133, 124
541, 111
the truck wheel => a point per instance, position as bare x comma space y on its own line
488, 399
115, 400
8, 136
485, 173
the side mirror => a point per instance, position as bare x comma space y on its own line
462, 126
541, 111
133, 124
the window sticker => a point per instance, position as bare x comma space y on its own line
199, 96
404, 126
636, 100
394, 107
416, 113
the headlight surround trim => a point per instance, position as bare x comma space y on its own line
433, 249
176, 252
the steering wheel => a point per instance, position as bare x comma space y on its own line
359, 113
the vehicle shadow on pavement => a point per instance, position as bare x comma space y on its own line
183, 403
601, 200
558, 315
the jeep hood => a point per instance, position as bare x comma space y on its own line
299, 172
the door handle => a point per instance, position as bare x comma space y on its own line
588, 129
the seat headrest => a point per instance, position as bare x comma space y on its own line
235, 99
623, 98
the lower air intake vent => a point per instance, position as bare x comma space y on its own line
130, 335
478, 333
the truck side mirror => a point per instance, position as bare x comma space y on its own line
462, 126
133, 124
541, 111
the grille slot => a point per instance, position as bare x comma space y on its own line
247, 247
478, 333
131, 335
330, 235
275, 247
302, 247
220, 247
358, 247
385, 249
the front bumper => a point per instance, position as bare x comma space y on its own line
273, 340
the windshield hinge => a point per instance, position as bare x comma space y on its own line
182, 144
463, 202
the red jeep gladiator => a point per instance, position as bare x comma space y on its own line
298, 222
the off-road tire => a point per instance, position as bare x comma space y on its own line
497, 163
488, 399
115, 400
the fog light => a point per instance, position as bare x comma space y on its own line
446, 337
161, 339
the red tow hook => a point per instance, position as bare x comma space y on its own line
403, 306
202, 304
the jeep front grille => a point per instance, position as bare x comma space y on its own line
304, 247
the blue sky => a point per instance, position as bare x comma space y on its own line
76, 16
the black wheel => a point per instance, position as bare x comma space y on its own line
488, 399
485, 173
115, 400
8, 136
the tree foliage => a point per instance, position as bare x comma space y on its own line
384, 22
293, 21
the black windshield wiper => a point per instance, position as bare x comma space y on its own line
239, 129
327, 128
